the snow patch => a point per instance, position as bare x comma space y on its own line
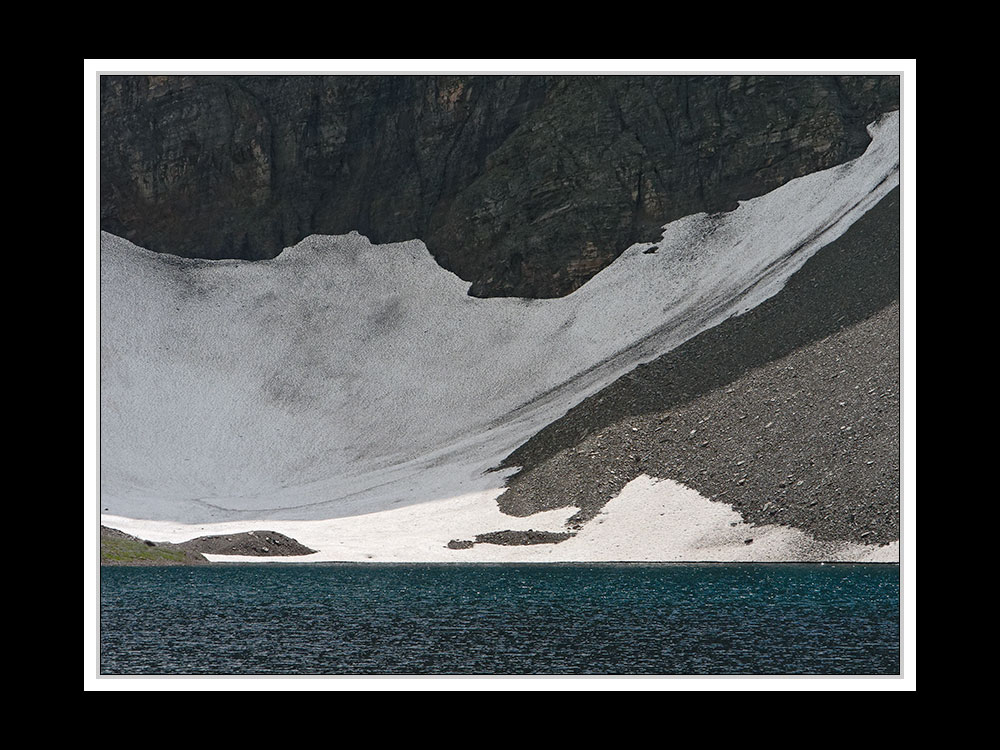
649, 521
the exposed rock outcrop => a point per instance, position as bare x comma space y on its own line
512, 538
522, 185
249, 543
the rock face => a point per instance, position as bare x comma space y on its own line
523, 185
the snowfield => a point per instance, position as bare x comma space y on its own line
353, 396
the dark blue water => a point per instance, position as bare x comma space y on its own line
523, 620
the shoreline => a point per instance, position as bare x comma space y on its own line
581, 564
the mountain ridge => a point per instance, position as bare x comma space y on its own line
521, 185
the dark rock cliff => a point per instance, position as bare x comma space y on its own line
523, 185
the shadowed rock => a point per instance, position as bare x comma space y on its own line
523, 185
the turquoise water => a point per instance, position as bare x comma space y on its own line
492, 620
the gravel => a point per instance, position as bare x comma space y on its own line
252, 543
512, 538
789, 413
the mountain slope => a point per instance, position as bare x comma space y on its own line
789, 413
343, 377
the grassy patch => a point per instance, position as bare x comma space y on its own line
125, 551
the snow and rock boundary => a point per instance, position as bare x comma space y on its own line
343, 380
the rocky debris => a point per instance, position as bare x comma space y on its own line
250, 543
512, 538
789, 413
509, 537
523, 185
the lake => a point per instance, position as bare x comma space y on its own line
581, 619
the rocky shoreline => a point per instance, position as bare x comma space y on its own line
789, 413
